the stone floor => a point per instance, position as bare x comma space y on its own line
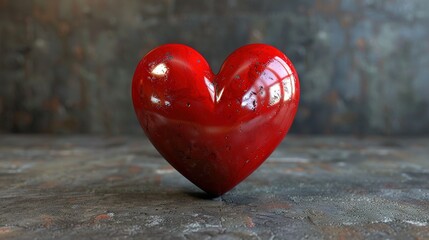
310, 188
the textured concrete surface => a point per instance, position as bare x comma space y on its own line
66, 66
310, 188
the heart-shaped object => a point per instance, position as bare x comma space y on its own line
215, 129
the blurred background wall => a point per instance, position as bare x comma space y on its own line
66, 66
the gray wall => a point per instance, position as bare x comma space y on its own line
66, 66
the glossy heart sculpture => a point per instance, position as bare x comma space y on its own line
215, 129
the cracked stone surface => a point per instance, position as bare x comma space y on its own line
120, 187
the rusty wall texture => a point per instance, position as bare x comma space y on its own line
66, 66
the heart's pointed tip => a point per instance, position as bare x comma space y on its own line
205, 195
215, 194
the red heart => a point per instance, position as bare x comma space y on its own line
215, 129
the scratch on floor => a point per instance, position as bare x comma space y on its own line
192, 227
416, 223
154, 221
